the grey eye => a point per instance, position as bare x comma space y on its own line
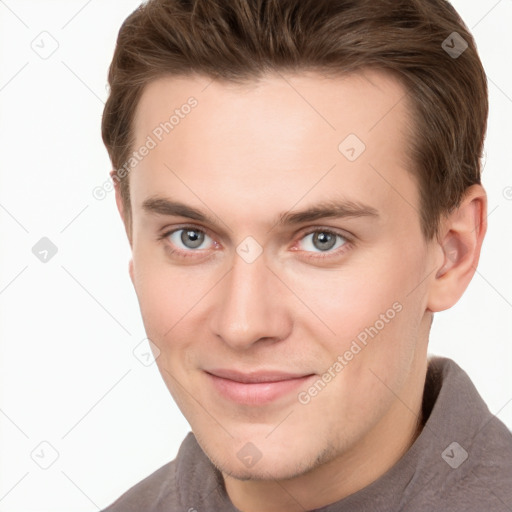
192, 238
322, 240
188, 238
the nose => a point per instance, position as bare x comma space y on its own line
251, 305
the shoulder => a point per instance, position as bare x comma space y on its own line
486, 475
150, 494
475, 475
466, 451
190, 478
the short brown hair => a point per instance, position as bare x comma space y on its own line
240, 40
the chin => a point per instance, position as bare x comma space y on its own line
262, 471
273, 466
285, 454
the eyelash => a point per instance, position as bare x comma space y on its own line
319, 256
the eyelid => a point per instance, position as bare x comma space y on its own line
166, 231
337, 231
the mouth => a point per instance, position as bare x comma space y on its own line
255, 388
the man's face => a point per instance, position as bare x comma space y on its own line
285, 344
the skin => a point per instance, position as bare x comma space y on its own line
244, 155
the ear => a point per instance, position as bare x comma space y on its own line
460, 240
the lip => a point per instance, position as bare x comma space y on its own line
255, 388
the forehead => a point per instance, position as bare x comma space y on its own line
361, 101
281, 137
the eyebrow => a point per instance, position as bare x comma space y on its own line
322, 210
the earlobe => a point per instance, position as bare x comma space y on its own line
461, 241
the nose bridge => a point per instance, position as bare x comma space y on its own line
249, 307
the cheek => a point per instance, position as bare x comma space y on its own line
166, 302
164, 292
172, 301
349, 300
164, 305
372, 310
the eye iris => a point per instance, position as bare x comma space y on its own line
323, 237
192, 238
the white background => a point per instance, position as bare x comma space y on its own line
68, 376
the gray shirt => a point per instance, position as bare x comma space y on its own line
461, 461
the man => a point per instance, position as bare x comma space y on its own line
300, 185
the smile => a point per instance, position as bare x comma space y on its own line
257, 388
